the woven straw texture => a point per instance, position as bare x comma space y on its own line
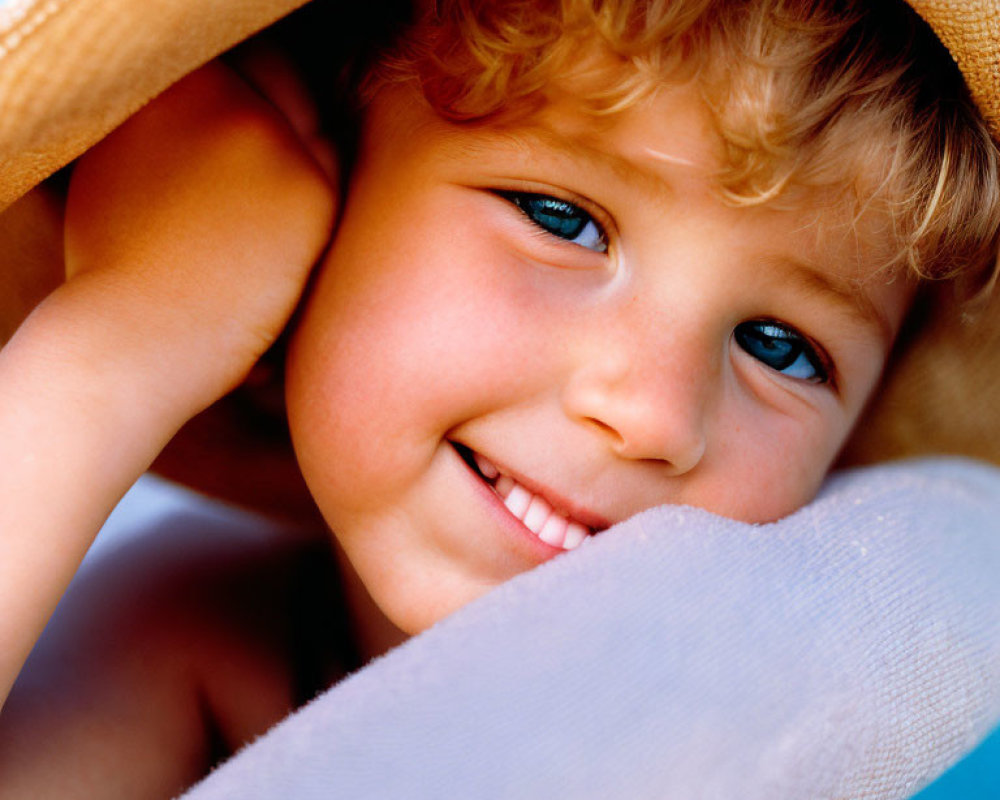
72, 70
970, 29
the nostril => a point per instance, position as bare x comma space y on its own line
603, 427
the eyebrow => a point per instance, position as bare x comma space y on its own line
571, 149
848, 295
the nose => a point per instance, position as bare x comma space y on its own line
645, 406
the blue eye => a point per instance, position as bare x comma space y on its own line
781, 348
561, 218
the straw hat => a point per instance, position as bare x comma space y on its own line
970, 29
72, 70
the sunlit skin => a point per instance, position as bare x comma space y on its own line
601, 370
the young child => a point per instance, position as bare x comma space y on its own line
593, 258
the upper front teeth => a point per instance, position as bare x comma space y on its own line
534, 511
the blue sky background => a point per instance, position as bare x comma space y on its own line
977, 777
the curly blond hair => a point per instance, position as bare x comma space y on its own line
855, 98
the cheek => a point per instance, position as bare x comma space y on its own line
349, 393
769, 465
390, 355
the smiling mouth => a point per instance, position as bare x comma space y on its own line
531, 509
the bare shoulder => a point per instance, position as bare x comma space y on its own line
170, 654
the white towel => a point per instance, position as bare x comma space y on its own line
849, 651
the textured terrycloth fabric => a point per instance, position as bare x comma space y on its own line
849, 651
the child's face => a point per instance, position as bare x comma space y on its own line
632, 342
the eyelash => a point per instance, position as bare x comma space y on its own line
560, 218
781, 347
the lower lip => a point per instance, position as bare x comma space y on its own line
524, 541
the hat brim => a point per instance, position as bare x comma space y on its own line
73, 70
970, 29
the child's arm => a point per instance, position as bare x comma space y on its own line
189, 234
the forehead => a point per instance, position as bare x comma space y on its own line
671, 126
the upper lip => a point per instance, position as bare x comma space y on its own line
559, 502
